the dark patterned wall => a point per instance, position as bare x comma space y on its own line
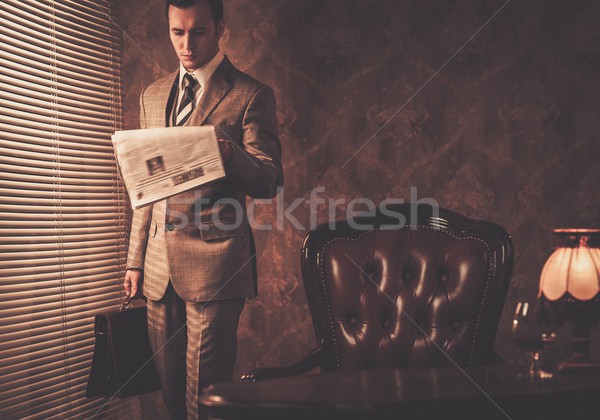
495, 121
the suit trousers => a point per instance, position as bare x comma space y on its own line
194, 345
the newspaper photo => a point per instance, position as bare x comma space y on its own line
157, 163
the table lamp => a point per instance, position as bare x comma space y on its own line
570, 285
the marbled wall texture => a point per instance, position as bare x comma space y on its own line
496, 121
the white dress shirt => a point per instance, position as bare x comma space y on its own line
202, 75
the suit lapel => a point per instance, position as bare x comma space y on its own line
171, 100
217, 87
165, 96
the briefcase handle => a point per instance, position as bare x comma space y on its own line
126, 303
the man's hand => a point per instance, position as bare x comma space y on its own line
133, 282
226, 150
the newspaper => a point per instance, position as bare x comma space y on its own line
157, 163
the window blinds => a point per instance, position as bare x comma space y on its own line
63, 233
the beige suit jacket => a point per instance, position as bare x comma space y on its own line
201, 239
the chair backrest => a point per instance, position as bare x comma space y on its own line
408, 286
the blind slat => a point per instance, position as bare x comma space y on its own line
45, 372
46, 82
15, 260
58, 87
73, 339
41, 362
11, 147
61, 28
41, 390
59, 317
99, 276
46, 295
47, 185
67, 143
46, 161
42, 217
24, 178
21, 91
34, 152
44, 339
62, 78
64, 109
25, 54
72, 120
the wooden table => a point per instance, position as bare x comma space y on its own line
498, 392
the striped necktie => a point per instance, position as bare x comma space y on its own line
186, 106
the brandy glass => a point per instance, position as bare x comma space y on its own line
532, 335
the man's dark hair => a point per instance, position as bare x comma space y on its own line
216, 7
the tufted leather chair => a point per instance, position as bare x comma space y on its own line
404, 287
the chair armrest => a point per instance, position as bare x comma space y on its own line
310, 361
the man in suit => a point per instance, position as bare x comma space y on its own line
194, 251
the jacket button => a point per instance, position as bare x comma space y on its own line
170, 226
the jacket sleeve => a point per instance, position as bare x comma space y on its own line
138, 236
256, 169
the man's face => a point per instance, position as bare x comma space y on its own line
194, 35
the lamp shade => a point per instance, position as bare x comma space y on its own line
574, 266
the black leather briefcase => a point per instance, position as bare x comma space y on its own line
122, 363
